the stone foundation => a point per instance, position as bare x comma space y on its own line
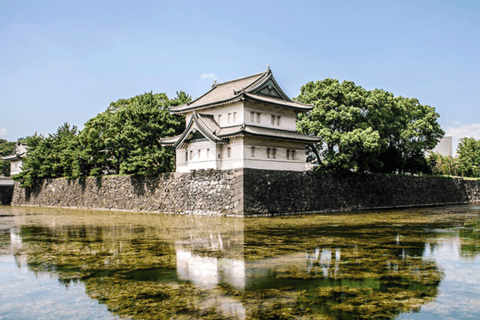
199, 192
249, 192
277, 192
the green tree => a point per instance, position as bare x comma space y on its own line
469, 157
443, 165
368, 130
33, 162
6, 148
125, 138
339, 119
51, 157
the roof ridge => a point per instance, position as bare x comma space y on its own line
220, 84
243, 78
270, 97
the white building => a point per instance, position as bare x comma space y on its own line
244, 123
16, 158
444, 147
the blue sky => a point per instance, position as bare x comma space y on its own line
65, 61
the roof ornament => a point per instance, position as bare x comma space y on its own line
243, 126
214, 83
268, 67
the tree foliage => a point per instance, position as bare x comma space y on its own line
6, 148
50, 157
368, 130
468, 151
123, 139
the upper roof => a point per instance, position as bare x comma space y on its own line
260, 87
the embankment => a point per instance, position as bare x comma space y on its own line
249, 192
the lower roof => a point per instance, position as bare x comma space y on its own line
208, 127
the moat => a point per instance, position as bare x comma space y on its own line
397, 264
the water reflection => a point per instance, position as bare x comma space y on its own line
151, 266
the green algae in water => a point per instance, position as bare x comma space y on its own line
304, 267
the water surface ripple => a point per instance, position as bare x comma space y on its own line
80, 264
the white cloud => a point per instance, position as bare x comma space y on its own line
459, 131
208, 76
3, 132
462, 131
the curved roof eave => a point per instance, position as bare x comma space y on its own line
201, 127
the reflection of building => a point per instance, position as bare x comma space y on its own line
15, 239
244, 123
206, 272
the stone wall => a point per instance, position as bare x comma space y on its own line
276, 192
249, 192
199, 192
6, 193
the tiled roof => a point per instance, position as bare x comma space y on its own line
242, 89
19, 152
214, 133
267, 133
276, 101
206, 124
221, 92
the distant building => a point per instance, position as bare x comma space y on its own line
244, 123
445, 147
16, 158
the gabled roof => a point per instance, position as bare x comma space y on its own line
19, 152
209, 128
204, 123
260, 87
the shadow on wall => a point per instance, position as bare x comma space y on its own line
6, 195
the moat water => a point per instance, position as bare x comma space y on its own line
80, 264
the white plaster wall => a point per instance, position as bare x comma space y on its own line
223, 111
203, 160
261, 161
15, 167
287, 117
236, 159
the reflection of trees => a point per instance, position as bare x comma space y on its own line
470, 238
146, 266
130, 264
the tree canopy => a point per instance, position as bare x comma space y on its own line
124, 139
368, 130
6, 148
